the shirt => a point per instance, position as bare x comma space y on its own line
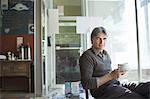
92, 66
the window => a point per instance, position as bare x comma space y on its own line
122, 42
143, 7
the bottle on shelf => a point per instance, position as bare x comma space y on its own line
29, 51
21, 52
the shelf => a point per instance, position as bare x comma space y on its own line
67, 24
67, 21
67, 18
62, 48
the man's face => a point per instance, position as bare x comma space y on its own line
98, 42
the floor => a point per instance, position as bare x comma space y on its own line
56, 93
21, 95
30, 96
16, 95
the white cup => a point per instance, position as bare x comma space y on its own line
123, 67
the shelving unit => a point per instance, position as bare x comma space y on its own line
15, 70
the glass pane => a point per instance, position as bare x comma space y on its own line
67, 65
121, 43
68, 40
67, 56
144, 37
68, 7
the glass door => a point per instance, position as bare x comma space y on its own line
68, 42
67, 55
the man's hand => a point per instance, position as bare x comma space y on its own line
116, 73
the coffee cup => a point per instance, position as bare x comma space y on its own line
123, 67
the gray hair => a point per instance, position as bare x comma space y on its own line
98, 30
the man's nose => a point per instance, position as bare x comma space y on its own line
101, 40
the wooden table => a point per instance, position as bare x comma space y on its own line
15, 75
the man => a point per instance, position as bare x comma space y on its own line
97, 75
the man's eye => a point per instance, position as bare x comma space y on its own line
105, 38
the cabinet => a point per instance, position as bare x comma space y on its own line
15, 75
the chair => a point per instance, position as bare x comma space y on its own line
86, 94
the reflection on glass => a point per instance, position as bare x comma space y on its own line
68, 40
122, 44
68, 7
67, 57
67, 65
144, 37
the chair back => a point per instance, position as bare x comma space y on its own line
86, 94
